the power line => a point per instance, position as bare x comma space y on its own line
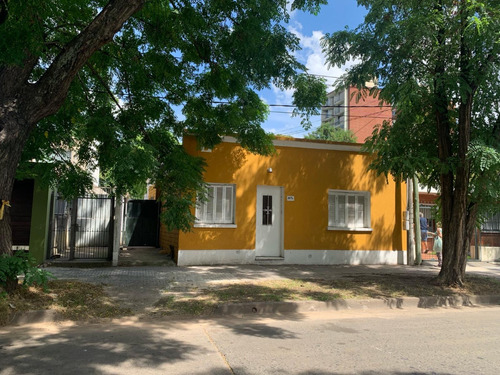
323, 106
322, 75
298, 130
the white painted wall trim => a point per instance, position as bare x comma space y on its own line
212, 257
304, 144
311, 257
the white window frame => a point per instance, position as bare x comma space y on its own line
203, 207
363, 225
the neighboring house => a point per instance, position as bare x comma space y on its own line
30, 217
40, 220
485, 244
348, 111
313, 202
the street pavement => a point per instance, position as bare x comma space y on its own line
417, 341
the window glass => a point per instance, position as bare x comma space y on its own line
348, 209
267, 210
360, 211
209, 209
228, 207
219, 206
219, 218
493, 224
351, 211
341, 210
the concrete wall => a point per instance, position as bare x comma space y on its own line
489, 253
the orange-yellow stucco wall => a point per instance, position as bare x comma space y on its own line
305, 174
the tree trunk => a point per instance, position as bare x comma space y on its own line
459, 217
23, 104
13, 136
11, 285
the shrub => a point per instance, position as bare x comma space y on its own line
20, 263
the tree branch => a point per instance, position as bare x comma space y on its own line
4, 11
104, 84
51, 89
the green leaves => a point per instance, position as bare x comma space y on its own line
309, 89
434, 61
174, 67
21, 263
328, 132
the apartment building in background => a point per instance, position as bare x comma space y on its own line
355, 110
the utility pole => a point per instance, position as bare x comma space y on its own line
416, 218
410, 253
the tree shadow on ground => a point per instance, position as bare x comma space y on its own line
91, 350
262, 330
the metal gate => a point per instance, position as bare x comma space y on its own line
83, 228
141, 223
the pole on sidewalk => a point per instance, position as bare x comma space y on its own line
117, 230
410, 256
418, 236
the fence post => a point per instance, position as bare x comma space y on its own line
74, 228
117, 225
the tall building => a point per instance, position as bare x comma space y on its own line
355, 110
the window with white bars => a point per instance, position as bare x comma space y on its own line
348, 210
218, 209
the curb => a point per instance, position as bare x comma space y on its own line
282, 308
36, 316
261, 308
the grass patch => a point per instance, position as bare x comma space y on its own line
73, 300
204, 302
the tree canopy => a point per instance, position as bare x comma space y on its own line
327, 131
438, 63
119, 82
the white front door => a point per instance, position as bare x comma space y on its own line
269, 221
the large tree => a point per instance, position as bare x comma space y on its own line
438, 63
109, 79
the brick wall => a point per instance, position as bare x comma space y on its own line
365, 114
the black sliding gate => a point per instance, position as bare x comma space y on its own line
83, 228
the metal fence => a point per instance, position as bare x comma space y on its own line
82, 228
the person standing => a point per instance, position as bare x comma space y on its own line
423, 233
438, 244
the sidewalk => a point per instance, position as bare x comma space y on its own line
140, 287
202, 276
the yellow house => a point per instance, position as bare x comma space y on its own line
312, 202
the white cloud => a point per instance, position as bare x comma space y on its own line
311, 55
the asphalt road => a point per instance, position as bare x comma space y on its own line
415, 341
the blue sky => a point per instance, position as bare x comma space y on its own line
309, 28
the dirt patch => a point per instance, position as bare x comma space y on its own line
146, 256
72, 300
